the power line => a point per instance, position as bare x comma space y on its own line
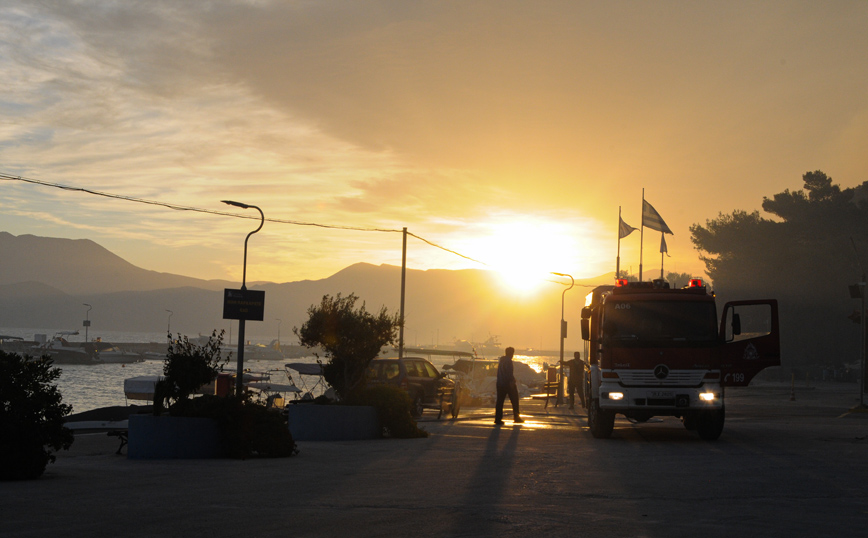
446, 249
7, 177
176, 207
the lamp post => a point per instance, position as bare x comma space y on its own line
278, 333
169, 324
86, 320
239, 377
560, 399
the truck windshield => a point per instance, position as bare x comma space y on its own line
660, 323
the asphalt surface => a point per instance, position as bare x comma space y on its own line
782, 467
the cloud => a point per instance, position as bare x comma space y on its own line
431, 115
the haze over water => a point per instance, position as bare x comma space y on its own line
88, 387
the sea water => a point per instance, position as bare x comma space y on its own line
91, 386
88, 387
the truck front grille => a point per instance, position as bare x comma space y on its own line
676, 378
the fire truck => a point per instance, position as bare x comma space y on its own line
655, 351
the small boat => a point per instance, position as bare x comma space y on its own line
62, 351
111, 354
479, 376
141, 387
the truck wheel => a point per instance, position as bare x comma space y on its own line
690, 422
600, 422
710, 424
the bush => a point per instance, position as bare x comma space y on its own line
247, 429
393, 409
350, 338
187, 368
31, 416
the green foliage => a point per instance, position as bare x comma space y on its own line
350, 338
679, 280
394, 410
624, 273
805, 253
187, 368
31, 416
247, 429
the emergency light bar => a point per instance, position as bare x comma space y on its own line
620, 282
695, 283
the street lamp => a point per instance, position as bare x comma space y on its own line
563, 335
86, 320
169, 324
239, 377
278, 333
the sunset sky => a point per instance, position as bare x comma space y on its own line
509, 132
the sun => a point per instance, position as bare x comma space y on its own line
525, 251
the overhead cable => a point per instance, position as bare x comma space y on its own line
7, 177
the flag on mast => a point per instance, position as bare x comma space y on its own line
624, 229
652, 219
663, 249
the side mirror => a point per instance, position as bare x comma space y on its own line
586, 329
736, 324
586, 312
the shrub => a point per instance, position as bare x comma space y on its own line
350, 338
187, 368
247, 429
31, 416
393, 409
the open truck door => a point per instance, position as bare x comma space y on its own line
751, 340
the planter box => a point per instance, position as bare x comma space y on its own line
167, 437
311, 422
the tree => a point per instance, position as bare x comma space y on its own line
187, 368
803, 255
31, 416
625, 274
247, 428
679, 280
350, 338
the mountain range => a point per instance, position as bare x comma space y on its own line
45, 282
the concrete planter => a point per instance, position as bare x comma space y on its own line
311, 422
167, 437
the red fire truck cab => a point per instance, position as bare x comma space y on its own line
655, 351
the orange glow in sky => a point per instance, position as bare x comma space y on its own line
510, 133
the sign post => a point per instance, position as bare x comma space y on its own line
243, 304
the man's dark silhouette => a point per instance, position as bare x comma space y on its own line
506, 387
576, 381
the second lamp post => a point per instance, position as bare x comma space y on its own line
560, 399
239, 378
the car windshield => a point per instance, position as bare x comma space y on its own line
432, 372
416, 369
650, 322
391, 370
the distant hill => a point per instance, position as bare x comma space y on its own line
44, 283
80, 266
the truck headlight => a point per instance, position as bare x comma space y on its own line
616, 395
706, 396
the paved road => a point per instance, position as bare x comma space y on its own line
781, 468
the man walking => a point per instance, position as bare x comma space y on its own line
576, 381
506, 387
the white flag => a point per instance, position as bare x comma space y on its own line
652, 219
624, 229
663, 248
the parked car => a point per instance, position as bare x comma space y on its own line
427, 387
